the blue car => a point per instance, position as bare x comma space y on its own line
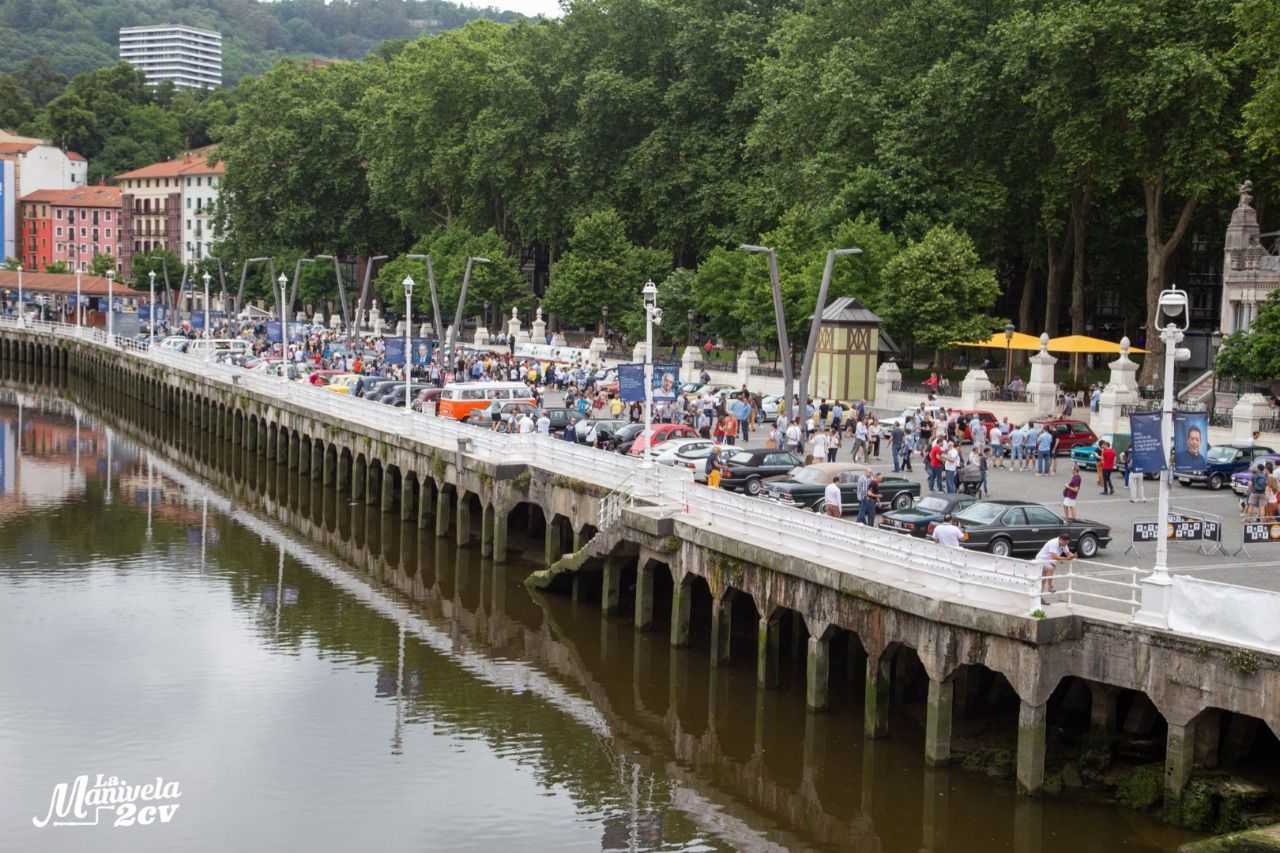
1225, 461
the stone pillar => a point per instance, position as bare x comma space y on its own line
344, 474
818, 674
1102, 708
513, 326
1179, 758
1031, 736
551, 550
875, 702
1042, 390
558, 340
596, 350
330, 467
388, 500
295, 445
747, 359
972, 387
486, 529
721, 622
1247, 416
407, 509
681, 602
610, 586
443, 508
937, 729
463, 523
538, 329
767, 643
317, 460
887, 375
359, 478
482, 336
1121, 390
499, 534
689, 364
644, 598
638, 351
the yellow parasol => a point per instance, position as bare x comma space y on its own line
1021, 341
1084, 343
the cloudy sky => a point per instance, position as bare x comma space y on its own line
549, 8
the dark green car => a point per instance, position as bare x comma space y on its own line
806, 487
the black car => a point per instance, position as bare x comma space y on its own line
1018, 527
395, 396
930, 509
560, 417
598, 432
624, 437
746, 472
807, 486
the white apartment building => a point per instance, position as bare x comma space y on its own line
199, 192
168, 205
187, 56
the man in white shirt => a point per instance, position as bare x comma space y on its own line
544, 423
831, 497
948, 533
526, 423
1056, 550
951, 466
996, 438
860, 437
793, 437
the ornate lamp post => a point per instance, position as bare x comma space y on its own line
604, 322
207, 312
408, 322
77, 302
1009, 329
111, 280
283, 281
1215, 343
151, 311
690, 327
652, 315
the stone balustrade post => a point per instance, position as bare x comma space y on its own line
971, 388
1247, 416
887, 375
1120, 391
689, 364
1042, 390
747, 360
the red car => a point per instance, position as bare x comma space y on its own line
985, 418
1069, 433
661, 433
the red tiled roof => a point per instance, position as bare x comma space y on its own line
175, 168
75, 155
16, 147
47, 282
94, 196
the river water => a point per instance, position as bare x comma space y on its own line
314, 675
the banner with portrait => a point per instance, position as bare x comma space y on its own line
666, 382
1190, 441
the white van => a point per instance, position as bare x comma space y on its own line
205, 348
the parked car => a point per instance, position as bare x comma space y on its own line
396, 398
1086, 455
598, 433
1225, 461
746, 472
1242, 482
560, 417
623, 437
805, 487
661, 433
666, 453
1070, 433
1006, 528
916, 518
986, 419
507, 413
695, 459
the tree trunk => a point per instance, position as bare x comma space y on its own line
1053, 284
1157, 258
1080, 198
1024, 308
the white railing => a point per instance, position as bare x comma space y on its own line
1100, 586
1000, 583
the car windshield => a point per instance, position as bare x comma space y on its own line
981, 513
812, 475
1222, 453
932, 503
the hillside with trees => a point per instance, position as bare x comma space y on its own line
80, 35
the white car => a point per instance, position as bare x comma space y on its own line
665, 453
696, 460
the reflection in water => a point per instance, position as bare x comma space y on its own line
253, 618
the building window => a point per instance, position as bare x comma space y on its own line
57, 214
108, 230
59, 231
106, 214
82, 234
83, 248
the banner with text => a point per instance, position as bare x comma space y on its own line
1261, 531
1181, 528
1148, 452
666, 382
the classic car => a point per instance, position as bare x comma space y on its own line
930, 509
1225, 461
746, 472
805, 487
1006, 528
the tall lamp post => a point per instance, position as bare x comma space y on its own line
604, 323
283, 281
207, 312
1157, 587
77, 302
652, 315
784, 344
151, 311
1009, 329
22, 317
408, 322
111, 280
1215, 343
690, 318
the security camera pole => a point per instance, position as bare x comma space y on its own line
784, 345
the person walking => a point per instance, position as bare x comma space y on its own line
833, 444
1257, 500
868, 497
1108, 465
863, 489
1070, 493
817, 448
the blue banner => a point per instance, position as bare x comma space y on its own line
393, 350
1190, 441
144, 313
197, 319
666, 382
420, 351
1148, 450
297, 331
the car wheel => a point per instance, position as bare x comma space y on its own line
1215, 482
1088, 546
753, 486
1001, 547
902, 501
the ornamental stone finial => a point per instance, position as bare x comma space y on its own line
1124, 345
1246, 194
1044, 343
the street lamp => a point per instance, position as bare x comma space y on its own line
1215, 343
652, 315
1157, 587
111, 280
151, 311
22, 317
784, 344
408, 322
811, 347
604, 322
207, 312
690, 327
283, 281
77, 302
462, 299
1009, 329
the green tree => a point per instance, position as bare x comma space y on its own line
1253, 354
940, 292
157, 260
57, 267
101, 264
16, 108
602, 267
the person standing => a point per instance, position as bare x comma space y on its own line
817, 448
1070, 493
873, 435
1016, 439
831, 499
896, 439
934, 463
868, 497
1257, 499
860, 441
793, 437
948, 534
1108, 465
1044, 441
833, 444
1134, 478
951, 465
1054, 551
